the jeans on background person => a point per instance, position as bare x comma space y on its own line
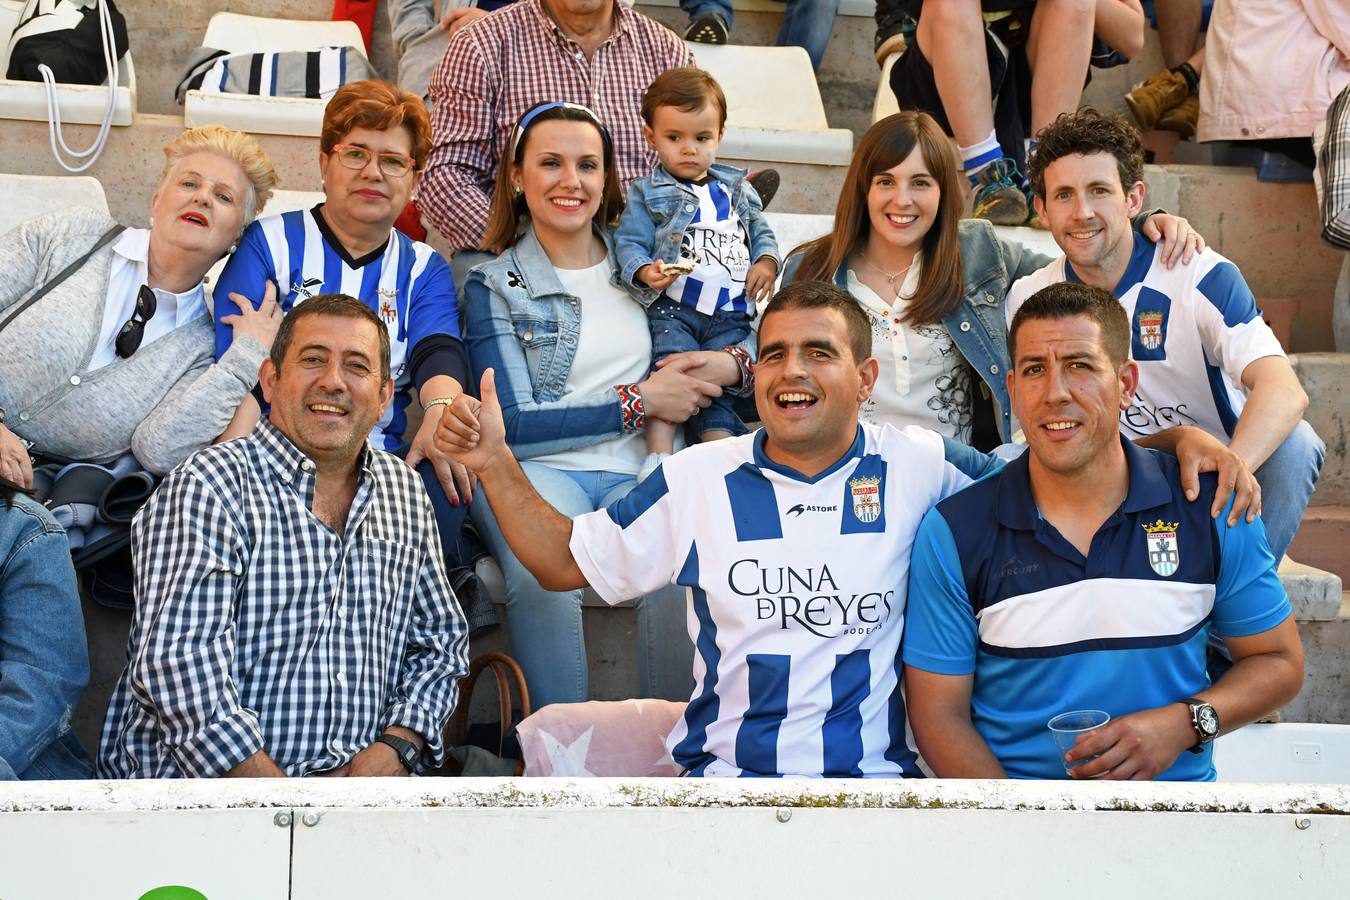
546, 633
808, 24
1287, 479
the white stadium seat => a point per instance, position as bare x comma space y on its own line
81, 104
29, 196
266, 115
774, 110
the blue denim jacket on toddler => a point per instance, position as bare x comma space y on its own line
660, 208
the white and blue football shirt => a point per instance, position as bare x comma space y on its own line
1045, 630
405, 282
1194, 329
717, 242
796, 592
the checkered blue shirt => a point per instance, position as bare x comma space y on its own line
258, 627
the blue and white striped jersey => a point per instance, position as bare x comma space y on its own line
1194, 329
996, 591
406, 282
796, 592
717, 242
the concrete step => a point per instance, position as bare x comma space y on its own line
1323, 540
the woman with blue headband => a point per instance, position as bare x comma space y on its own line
571, 351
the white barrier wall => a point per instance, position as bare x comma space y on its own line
657, 838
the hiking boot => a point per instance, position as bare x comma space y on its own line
998, 198
1182, 119
1155, 95
707, 28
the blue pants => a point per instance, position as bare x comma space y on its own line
677, 328
1287, 480
546, 635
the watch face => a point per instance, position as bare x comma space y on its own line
1207, 720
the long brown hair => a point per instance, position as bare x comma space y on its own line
885, 145
508, 208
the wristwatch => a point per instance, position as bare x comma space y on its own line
1205, 720
407, 751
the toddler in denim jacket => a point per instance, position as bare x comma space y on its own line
693, 245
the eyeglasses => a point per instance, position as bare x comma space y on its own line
354, 157
129, 338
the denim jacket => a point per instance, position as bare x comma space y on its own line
989, 266
522, 324
660, 208
44, 662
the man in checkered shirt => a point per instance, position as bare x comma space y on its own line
292, 611
592, 52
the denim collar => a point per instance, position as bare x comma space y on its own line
531, 263
728, 175
1017, 509
1141, 260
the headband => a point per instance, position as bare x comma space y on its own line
533, 113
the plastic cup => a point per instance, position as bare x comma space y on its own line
1067, 726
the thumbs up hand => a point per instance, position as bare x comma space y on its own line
471, 431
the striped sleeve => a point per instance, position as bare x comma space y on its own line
630, 548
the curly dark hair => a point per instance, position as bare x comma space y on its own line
1087, 131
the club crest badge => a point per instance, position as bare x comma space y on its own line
865, 492
1163, 555
388, 305
1151, 329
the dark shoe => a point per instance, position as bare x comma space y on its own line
765, 182
707, 28
998, 197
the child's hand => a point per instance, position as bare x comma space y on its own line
655, 276
759, 280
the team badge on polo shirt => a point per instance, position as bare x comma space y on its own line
1163, 555
388, 306
866, 494
1151, 329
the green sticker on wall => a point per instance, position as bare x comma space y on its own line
172, 892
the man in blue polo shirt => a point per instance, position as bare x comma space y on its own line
1080, 577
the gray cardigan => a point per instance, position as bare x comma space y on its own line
166, 401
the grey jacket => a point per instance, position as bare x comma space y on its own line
163, 403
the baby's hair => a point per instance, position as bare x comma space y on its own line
686, 89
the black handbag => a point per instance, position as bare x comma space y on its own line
66, 36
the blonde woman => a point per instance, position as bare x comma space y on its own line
116, 354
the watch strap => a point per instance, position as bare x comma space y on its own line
407, 751
1192, 703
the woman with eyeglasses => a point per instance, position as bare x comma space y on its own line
372, 148
105, 337
571, 352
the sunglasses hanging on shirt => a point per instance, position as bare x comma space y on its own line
129, 338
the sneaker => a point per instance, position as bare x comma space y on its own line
707, 28
765, 182
1155, 95
1182, 119
998, 198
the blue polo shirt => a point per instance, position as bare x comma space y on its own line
1045, 629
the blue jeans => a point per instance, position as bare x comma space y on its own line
546, 635
677, 328
1287, 480
808, 24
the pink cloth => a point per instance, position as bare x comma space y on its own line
1272, 67
506, 62
621, 738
